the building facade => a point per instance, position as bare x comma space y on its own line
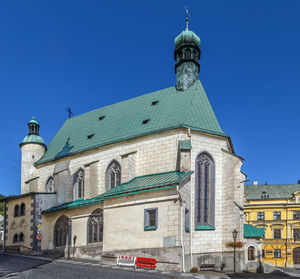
150, 176
276, 208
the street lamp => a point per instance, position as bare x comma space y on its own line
234, 234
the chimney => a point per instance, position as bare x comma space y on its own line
255, 182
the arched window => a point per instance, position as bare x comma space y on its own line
22, 209
95, 226
113, 175
15, 238
21, 237
205, 190
17, 211
78, 184
61, 229
50, 185
187, 53
251, 253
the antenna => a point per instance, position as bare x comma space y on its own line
70, 113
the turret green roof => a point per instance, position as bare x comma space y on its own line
155, 112
33, 121
187, 37
33, 139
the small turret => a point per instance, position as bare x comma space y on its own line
187, 53
33, 148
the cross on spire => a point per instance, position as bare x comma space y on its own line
70, 113
187, 17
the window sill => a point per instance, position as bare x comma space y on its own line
150, 228
204, 228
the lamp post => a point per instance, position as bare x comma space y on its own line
69, 237
234, 234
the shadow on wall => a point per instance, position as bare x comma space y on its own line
65, 150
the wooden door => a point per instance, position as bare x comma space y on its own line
296, 255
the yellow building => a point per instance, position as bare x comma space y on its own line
277, 209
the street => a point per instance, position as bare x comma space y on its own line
21, 267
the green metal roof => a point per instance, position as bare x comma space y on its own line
32, 139
185, 144
251, 231
269, 192
147, 114
137, 185
33, 121
186, 37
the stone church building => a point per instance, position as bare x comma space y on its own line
151, 176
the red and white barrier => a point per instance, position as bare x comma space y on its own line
126, 261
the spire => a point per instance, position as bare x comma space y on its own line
187, 53
33, 127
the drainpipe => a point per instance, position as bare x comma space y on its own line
191, 226
181, 228
286, 237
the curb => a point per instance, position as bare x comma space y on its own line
28, 256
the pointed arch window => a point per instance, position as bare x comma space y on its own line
204, 191
61, 229
78, 185
113, 175
16, 211
22, 209
50, 185
95, 226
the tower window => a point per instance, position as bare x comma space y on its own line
90, 136
102, 117
145, 121
154, 103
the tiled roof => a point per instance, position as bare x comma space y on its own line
147, 114
251, 231
269, 192
139, 184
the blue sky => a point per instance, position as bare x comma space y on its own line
88, 54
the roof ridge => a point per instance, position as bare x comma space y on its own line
271, 185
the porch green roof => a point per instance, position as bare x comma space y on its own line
253, 232
272, 192
155, 112
139, 184
185, 144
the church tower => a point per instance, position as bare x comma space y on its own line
187, 53
33, 148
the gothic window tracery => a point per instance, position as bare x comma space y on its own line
78, 187
61, 229
204, 190
50, 185
113, 175
95, 226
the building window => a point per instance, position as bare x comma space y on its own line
50, 185
150, 219
16, 211
277, 253
277, 215
251, 253
22, 209
61, 229
21, 237
260, 216
296, 215
95, 226
15, 238
78, 185
296, 233
277, 233
187, 220
204, 190
113, 175
263, 253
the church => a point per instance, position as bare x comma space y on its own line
152, 176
